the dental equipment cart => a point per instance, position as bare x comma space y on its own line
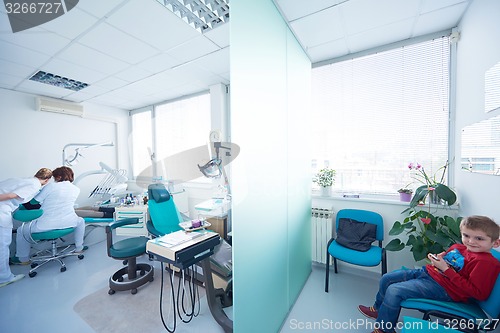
183, 249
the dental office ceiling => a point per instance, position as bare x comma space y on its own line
134, 53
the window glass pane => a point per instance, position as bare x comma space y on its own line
141, 141
374, 115
182, 125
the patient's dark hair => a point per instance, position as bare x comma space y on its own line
62, 174
483, 223
43, 174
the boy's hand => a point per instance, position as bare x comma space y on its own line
438, 262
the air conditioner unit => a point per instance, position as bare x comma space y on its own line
59, 106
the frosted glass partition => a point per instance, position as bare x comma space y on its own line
271, 176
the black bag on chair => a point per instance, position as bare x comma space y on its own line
356, 235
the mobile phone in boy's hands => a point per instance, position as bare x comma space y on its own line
433, 256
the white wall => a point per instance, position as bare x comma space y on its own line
32, 139
478, 50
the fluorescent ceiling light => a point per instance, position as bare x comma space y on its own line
202, 15
58, 81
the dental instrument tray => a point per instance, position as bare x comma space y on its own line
194, 225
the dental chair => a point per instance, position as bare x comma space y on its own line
53, 253
164, 216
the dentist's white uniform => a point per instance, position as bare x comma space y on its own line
25, 189
57, 200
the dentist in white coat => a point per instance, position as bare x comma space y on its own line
13, 192
57, 200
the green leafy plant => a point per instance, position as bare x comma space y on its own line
325, 177
433, 188
426, 233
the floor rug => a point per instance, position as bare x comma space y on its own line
124, 312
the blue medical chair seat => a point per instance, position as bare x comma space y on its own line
480, 311
369, 258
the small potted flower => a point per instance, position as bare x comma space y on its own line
325, 178
405, 194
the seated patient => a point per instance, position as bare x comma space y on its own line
463, 272
57, 200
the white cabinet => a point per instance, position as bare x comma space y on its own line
140, 212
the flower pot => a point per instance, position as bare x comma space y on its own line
326, 191
405, 197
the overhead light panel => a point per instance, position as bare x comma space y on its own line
58, 81
203, 15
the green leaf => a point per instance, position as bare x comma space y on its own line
420, 193
396, 229
394, 245
445, 193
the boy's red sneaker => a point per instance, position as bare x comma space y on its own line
368, 311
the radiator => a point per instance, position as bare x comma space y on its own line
322, 231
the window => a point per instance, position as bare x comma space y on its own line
373, 115
173, 127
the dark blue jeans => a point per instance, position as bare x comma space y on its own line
396, 286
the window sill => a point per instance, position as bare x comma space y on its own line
388, 200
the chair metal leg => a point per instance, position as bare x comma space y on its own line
327, 278
335, 265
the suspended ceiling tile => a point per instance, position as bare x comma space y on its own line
9, 81
72, 71
117, 43
160, 27
133, 73
360, 15
93, 59
216, 62
311, 29
431, 5
219, 35
99, 8
41, 41
439, 20
380, 36
71, 24
297, 9
332, 49
193, 49
21, 55
111, 83
22, 71
38, 88
159, 63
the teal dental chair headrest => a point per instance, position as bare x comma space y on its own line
158, 193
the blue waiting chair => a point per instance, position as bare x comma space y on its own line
373, 257
474, 316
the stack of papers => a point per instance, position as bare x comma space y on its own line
178, 237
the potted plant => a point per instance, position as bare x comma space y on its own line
405, 194
432, 190
325, 178
426, 233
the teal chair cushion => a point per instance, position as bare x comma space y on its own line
24, 215
371, 257
465, 310
130, 247
414, 325
51, 234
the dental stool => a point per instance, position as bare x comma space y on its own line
53, 253
38, 259
128, 250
